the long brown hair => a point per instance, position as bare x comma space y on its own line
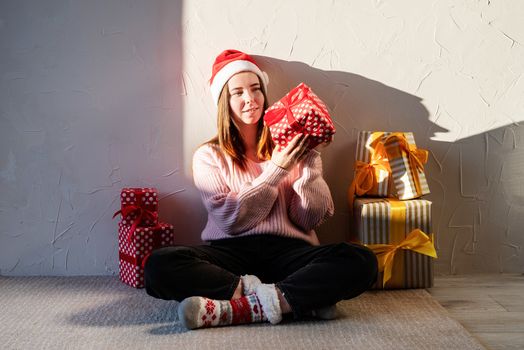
228, 137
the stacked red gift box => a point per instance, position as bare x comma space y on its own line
139, 232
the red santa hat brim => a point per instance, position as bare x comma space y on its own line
224, 69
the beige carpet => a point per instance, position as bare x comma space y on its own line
101, 313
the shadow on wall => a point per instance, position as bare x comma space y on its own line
479, 213
356, 103
476, 182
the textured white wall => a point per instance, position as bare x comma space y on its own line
100, 95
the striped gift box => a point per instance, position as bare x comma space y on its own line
389, 221
366, 144
407, 165
407, 179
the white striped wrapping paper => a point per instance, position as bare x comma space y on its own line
372, 226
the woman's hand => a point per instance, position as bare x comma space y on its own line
295, 150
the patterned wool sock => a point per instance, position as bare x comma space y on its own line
249, 283
200, 312
267, 294
268, 297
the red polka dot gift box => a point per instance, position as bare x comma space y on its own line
135, 247
139, 206
300, 111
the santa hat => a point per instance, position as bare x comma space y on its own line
229, 63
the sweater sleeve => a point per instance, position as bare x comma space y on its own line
311, 202
234, 212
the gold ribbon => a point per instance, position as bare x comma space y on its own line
416, 241
416, 157
365, 173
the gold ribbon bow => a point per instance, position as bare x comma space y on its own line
365, 173
416, 241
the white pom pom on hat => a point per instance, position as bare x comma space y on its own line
229, 63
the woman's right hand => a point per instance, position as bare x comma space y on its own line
295, 150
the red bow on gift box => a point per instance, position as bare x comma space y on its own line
293, 98
137, 261
284, 108
141, 214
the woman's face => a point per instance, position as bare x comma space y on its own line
247, 100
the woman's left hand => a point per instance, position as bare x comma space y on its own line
294, 152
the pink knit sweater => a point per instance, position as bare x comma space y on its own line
264, 199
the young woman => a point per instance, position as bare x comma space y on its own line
263, 258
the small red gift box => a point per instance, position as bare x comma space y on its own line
300, 111
135, 247
139, 206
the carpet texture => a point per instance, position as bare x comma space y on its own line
102, 313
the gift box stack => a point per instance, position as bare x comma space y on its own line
139, 232
388, 214
299, 111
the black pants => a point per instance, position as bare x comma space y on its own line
309, 276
